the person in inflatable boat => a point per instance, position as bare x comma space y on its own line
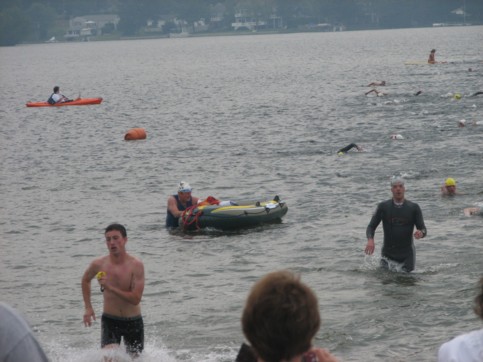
178, 203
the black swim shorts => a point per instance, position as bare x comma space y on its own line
131, 329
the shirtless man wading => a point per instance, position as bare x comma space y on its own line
121, 278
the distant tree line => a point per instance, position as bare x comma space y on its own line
36, 20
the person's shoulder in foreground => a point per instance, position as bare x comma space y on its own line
17, 342
280, 320
467, 347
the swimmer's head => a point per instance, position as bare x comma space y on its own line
340, 153
184, 187
397, 180
450, 182
462, 123
457, 96
433, 51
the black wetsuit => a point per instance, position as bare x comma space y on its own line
173, 222
398, 223
347, 148
131, 329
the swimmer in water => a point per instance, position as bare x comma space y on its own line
472, 211
449, 187
462, 123
418, 93
377, 83
379, 94
346, 149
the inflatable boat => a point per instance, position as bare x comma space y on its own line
229, 215
75, 102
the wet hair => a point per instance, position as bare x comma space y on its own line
117, 227
56, 89
433, 51
478, 308
281, 317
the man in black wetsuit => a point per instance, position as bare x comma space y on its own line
399, 216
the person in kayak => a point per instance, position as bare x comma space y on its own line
431, 59
399, 216
56, 97
178, 203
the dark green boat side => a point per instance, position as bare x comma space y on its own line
244, 214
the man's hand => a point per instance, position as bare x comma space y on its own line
88, 314
370, 247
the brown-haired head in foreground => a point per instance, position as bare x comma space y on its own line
479, 300
281, 317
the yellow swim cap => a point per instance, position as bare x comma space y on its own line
450, 182
340, 153
457, 96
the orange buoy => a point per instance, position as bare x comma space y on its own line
135, 134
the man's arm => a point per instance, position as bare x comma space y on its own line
173, 207
371, 230
135, 292
419, 222
89, 274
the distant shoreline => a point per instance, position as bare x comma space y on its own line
218, 34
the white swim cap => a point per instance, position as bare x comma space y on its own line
184, 187
397, 180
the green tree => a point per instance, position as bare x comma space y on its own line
15, 26
192, 10
42, 18
133, 16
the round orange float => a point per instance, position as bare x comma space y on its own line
135, 134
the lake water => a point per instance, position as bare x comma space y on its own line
244, 117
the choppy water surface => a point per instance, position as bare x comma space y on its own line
244, 117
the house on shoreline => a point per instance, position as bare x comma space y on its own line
82, 27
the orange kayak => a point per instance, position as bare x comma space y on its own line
75, 102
